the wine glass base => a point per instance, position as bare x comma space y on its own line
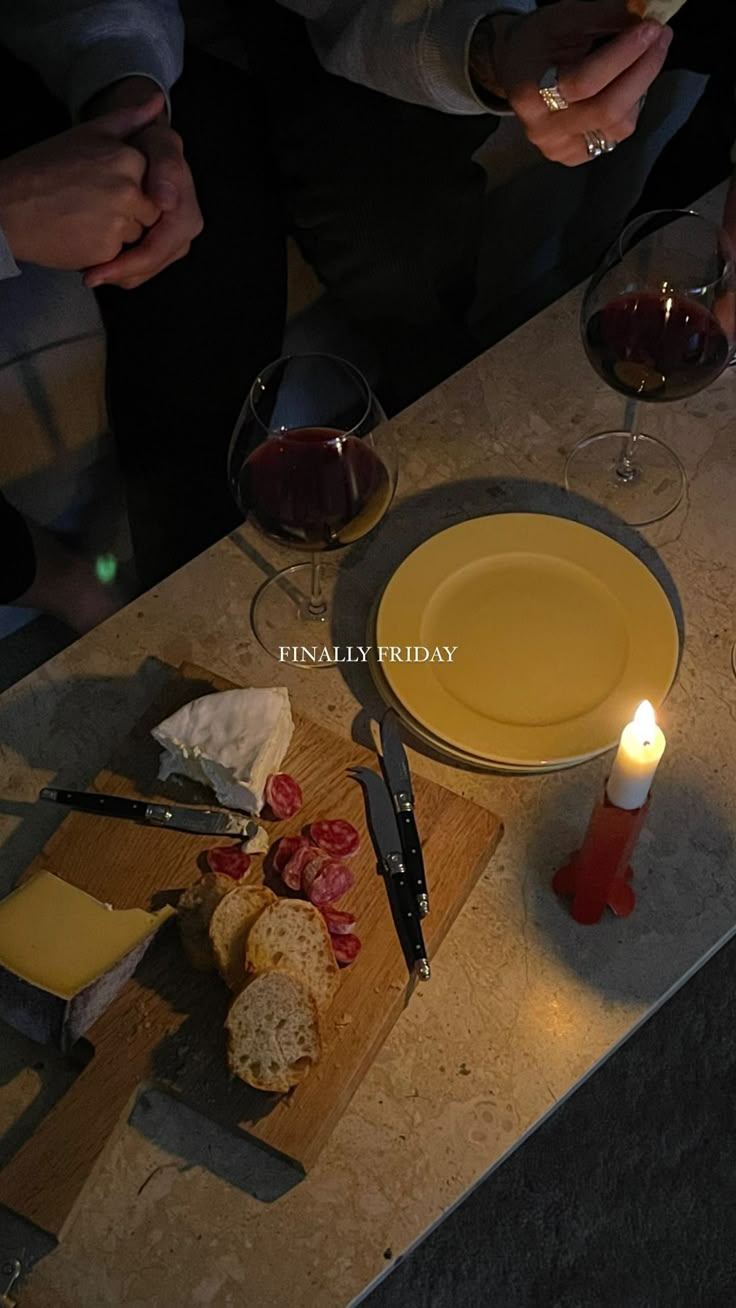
654, 490
281, 618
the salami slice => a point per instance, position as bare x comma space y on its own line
293, 872
332, 881
283, 795
338, 922
228, 860
312, 867
285, 848
345, 948
336, 837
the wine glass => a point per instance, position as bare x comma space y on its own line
310, 462
657, 325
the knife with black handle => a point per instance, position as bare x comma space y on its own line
385, 832
199, 821
398, 779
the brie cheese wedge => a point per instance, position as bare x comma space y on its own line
231, 741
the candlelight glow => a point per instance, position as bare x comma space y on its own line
641, 747
645, 722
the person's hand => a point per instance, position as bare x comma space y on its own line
76, 198
603, 86
168, 184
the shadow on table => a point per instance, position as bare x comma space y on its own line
367, 567
682, 880
129, 707
62, 740
191, 1105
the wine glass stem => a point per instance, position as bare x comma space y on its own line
317, 603
626, 469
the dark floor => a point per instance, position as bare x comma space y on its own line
624, 1198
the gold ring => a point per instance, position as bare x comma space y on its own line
549, 89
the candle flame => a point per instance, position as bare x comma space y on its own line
645, 722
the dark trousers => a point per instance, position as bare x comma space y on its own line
184, 347
384, 200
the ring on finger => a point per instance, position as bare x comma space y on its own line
596, 144
549, 89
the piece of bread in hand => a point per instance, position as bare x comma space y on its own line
291, 936
229, 926
273, 1032
660, 10
195, 909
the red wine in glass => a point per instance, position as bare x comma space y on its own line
313, 464
315, 488
657, 323
656, 347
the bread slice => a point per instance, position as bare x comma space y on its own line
273, 1032
291, 936
660, 10
195, 909
230, 923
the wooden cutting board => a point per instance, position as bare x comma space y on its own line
165, 1029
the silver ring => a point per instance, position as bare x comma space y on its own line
549, 89
596, 144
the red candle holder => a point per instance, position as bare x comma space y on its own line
598, 874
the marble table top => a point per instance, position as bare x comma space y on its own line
523, 1003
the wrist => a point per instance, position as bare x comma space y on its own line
490, 35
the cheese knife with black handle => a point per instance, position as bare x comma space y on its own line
398, 779
200, 821
387, 842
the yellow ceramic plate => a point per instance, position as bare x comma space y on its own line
559, 633
459, 756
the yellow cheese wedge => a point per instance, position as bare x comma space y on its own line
60, 939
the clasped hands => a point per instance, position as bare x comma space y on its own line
112, 196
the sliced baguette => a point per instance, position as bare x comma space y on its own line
230, 923
195, 909
660, 10
273, 1032
291, 936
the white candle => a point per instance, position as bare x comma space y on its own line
640, 749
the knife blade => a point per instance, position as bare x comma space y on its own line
200, 821
398, 778
387, 841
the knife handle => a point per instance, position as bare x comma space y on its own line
413, 858
408, 914
89, 802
